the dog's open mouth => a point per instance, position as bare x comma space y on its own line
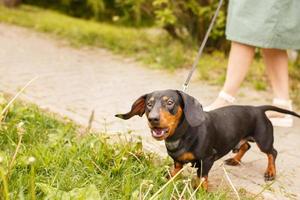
159, 133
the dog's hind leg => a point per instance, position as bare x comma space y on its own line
270, 173
264, 140
236, 160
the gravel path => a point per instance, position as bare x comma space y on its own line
73, 82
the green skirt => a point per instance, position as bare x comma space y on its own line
264, 23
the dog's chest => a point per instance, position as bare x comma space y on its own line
175, 148
179, 151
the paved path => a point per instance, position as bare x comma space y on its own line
73, 82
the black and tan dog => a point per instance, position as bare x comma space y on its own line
192, 135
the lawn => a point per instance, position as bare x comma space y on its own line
43, 156
152, 46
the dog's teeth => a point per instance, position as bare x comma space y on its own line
158, 132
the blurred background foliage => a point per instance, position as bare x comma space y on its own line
184, 20
161, 33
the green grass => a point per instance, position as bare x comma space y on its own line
149, 45
69, 166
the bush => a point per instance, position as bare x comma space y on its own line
192, 18
184, 20
126, 12
77, 8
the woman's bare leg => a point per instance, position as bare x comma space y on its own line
276, 62
240, 58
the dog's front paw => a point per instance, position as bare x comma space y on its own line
232, 162
196, 181
269, 175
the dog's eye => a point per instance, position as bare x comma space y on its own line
170, 102
149, 104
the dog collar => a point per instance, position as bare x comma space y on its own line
172, 145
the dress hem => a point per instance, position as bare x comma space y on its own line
261, 44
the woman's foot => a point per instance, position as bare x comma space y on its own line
279, 119
222, 100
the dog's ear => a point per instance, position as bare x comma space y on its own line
137, 108
192, 110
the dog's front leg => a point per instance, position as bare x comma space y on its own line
177, 167
202, 173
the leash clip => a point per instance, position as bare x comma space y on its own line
184, 87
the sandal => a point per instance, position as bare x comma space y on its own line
227, 98
278, 119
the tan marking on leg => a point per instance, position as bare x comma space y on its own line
237, 158
271, 169
203, 181
244, 148
177, 167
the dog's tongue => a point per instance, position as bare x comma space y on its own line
158, 132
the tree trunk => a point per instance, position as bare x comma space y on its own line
11, 3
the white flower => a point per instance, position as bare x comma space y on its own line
31, 159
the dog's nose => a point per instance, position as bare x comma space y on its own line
154, 119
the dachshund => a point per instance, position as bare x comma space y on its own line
201, 138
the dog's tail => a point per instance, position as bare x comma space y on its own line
274, 108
